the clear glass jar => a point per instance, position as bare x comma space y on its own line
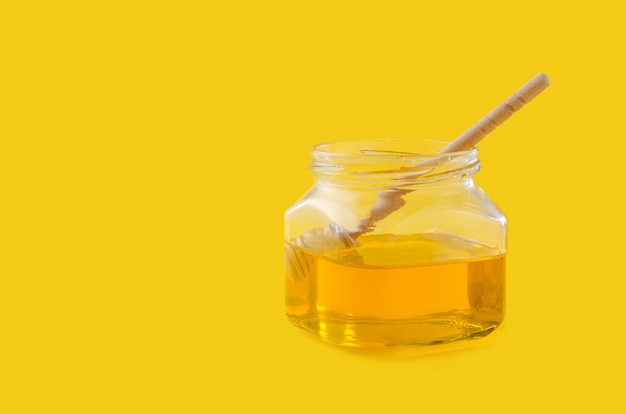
394, 246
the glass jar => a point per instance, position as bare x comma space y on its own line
394, 246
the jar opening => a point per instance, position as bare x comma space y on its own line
386, 148
391, 162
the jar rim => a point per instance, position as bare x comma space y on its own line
387, 149
391, 162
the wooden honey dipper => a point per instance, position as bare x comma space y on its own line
333, 238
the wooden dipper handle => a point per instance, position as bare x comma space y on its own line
391, 201
499, 114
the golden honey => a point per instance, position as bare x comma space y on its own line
397, 291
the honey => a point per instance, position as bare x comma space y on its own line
397, 291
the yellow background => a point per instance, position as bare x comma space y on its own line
148, 151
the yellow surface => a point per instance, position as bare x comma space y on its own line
148, 151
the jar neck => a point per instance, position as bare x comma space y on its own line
391, 163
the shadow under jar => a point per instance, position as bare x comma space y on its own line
394, 246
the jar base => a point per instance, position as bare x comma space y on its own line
429, 330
